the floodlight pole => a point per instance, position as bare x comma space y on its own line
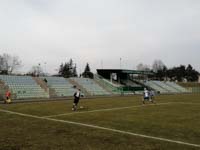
120, 63
101, 64
45, 68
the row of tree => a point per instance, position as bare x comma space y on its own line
179, 73
10, 63
68, 69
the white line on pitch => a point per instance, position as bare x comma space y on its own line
103, 128
118, 108
105, 109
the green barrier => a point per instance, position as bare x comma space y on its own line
194, 89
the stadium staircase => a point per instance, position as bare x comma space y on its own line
42, 84
78, 86
59, 86
98, 80
91, 86
115, 89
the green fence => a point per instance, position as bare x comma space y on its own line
194, 89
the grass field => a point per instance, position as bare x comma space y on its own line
117, 123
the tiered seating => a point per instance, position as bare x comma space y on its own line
155, 87
178, 87
166, 87
130, 83
171, 89
61, 86
24, 87
91, 86
113, 88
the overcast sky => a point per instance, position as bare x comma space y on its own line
101, 32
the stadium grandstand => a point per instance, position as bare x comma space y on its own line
135, 81
107, 82
23, 87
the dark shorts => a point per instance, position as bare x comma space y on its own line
151, 96
76, 100
146, 98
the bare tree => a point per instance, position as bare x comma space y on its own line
36, 71
1, 63
158, 65
9, 63
143, 67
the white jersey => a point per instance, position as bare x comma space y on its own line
146, 93
152, 93
77, 94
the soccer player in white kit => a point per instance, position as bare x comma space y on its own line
145, 95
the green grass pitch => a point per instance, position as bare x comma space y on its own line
54, 126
